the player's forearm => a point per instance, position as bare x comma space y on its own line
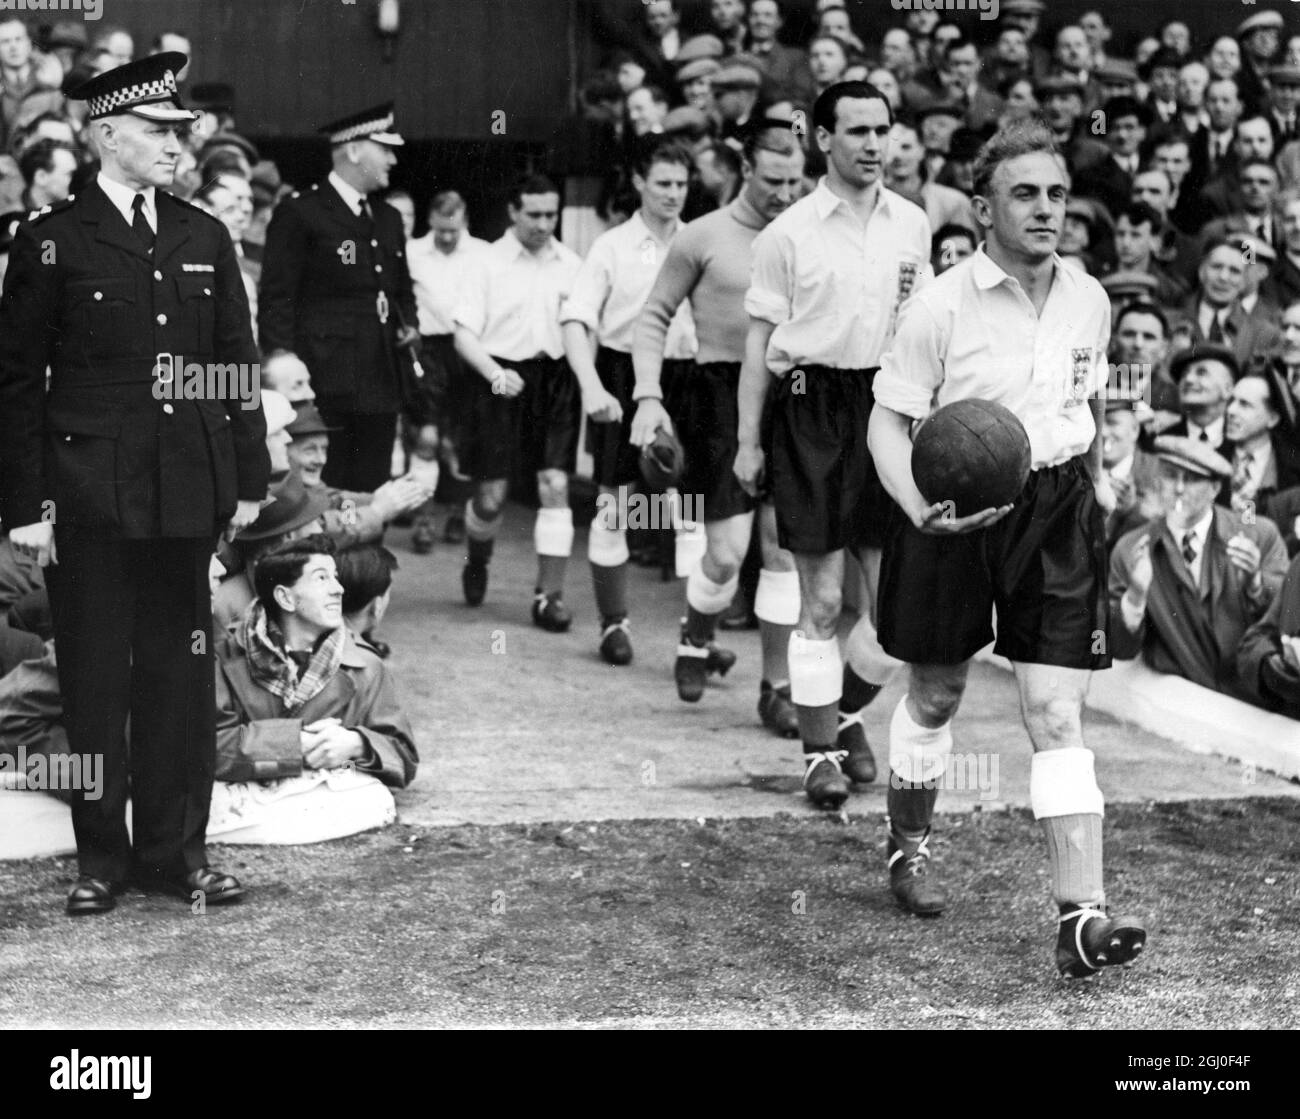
1095, 464
471, 350
671, 286
754, 379
578, 348
889, 437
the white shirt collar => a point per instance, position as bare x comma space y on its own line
1214, 431
988, 273
519, 249
827, 201
123, 199
350, 195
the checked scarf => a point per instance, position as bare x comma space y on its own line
276, 671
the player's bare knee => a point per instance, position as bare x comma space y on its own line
936, 696
822, 611
1054, 722
488, 500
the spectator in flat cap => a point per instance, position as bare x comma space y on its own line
700, 46
1186, 586
1160, 73
736, 91
695, 82
1098, 33
1062, 99
1018, 100
1214, 313
1284, 99
718, 168
1132, 471
1025, 16
215, 102
958, 170
645, 110
228, 197
1086, 234
1204, 375
67, 40
1260, 36
937, 123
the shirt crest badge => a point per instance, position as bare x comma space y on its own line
1081, 368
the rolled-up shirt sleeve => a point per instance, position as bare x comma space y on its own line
591, 288
911, 370
768, 297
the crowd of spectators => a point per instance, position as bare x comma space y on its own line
1184, 158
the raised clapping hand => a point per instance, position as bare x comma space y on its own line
1245, 556
1140, 570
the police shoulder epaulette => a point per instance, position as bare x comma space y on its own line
51, 208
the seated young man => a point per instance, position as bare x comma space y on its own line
295, 691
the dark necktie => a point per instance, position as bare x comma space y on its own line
140, 223
1216, 329
1189, 549
363, 208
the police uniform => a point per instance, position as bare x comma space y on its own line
832, 287
138, 477
974, 334
335, 291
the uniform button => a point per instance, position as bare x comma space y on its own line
378, 268
157, 275
162, 320
168, 409
374, 244
207, 291
99, 295
67, 438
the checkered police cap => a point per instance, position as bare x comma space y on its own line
145, 88
373, 124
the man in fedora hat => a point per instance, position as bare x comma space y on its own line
121, 493
1185, 586
336, 291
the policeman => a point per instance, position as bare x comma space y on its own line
336, 291
121, 484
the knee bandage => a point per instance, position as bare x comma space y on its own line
553, 532
706, 596
816, 672
690, 545
777, 599
606, 547
917, 754
480, 528
1063, 783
